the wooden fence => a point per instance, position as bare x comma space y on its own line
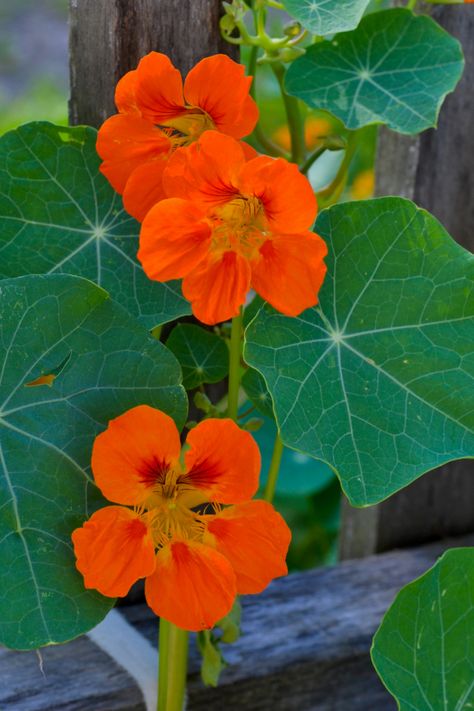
306, 639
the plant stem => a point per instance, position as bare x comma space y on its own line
411, 4
335, 188
173, 665
270, 486
293, 114
163, 664
268, 146
311, 159
234, 366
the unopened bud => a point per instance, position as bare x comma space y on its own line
292, 29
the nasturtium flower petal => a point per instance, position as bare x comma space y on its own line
158, 88
222, 463
286, 195
217, 288
255, 539
113, 550
290, 271
206, 172
124, 143
144, 188
133, 451
174, 239
219, 87
193, 585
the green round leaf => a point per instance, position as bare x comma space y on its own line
203, 356
377, 380
59, 215
326, 17
423, 650
256, 390
104, 363
395, 68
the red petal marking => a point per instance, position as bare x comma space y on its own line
154, 472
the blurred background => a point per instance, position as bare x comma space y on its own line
34, 79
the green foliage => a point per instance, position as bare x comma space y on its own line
326, 17
203, 356
314, 521
256, 390
395, 68
377, 380
104, 363
226, 631
58, 214
423, 650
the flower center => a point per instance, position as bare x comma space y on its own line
239, 225
165, 513
187, 128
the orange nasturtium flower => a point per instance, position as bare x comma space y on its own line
173, 525
232, 224
158, 114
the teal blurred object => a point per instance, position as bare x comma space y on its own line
308, 496
299, 474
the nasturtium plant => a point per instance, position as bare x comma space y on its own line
350, 339
203, 355
326, 17
377, 379
107, 363
423, 650
58, 215
257, 392
395, 69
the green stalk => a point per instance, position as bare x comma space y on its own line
311, 159
334, 190
265, 143
234, 365
163, 664
293, 114
173, 665
270, 486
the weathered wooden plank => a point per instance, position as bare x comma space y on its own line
436, 170
108, 38
305, 646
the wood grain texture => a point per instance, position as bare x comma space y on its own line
305, 647
109, 37
436, 170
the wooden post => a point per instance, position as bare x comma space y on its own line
436, 170
108, 37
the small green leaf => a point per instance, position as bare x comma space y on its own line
58, 215
213, 661
377, 380
109, 364
395, 68
204, 356
257, 392
326, 17
423, 650
230, 624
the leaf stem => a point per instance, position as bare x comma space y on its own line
234, 365
270, 486
163, 664
293, 113
268, 146
312, 159
334, 190
173, 665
